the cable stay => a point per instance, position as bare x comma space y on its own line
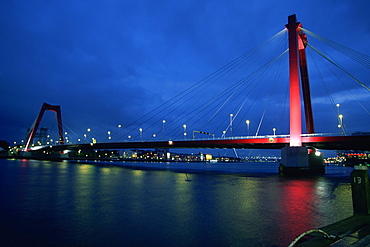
233, 89
353, 54
240, 91
326, 87
200, 94
344, 85
338, 66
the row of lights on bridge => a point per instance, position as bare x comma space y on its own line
340, 126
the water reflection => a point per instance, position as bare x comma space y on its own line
80, 204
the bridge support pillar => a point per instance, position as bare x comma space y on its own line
301, 161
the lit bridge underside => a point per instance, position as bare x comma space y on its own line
319, 142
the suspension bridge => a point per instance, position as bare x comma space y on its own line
231, 91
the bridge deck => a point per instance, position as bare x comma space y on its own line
320, 142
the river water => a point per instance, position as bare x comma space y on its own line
45, 203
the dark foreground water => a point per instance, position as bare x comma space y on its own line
46, 203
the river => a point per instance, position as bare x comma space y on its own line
45, 203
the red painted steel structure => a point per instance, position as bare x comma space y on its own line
46, 107
320, 142
295, 92
302, 43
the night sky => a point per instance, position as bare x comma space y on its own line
108, 63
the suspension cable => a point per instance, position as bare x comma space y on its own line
338, 66
353, 54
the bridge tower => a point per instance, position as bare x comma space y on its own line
296, 158
32, 132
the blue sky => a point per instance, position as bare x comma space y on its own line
110, 62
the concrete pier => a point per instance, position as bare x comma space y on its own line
301, 161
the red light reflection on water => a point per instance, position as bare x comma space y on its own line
297, 203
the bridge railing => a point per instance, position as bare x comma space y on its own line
35, 147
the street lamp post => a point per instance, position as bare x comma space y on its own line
247, 122
338, 105
274, 129
109, 137
184, 126
163, 122
231, 125
340, 125
141, 134
340, 120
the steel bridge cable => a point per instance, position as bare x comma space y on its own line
262, 70
258, 80
353, 54
277, 76
284, 106
340, 67
236, 109
344, 85
233, 88
69, 129
184, 93
214, 97
324, 84
353, 95
217, 96
236, 87
196, 86
267, 103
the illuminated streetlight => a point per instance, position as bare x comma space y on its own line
141, 133
109, 137
274, 129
